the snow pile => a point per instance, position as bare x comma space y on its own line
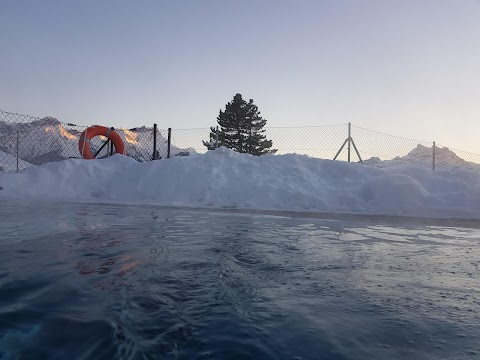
223, 178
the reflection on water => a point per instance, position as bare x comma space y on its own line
98, 281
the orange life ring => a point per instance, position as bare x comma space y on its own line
96, 130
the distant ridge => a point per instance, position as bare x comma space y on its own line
422, 156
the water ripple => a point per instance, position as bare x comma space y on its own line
102, 282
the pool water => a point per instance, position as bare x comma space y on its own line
81, 281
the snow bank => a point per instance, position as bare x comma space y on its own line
223, 178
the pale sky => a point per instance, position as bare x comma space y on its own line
405, 67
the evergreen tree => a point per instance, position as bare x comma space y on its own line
241, 129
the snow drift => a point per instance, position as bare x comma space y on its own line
223, 178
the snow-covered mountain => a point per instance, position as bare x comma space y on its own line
445, 159
48, 140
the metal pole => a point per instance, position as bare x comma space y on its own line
111, 144
434, 155
349, 139
169, 142
356, 150
101, 148
154, 157
216, 140
341, 148
18, 140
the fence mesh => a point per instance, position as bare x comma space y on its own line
383, 150
316, 141
447, 158
189, 140
27, 141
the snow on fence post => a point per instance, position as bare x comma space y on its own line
154, 157
433, 163
18, 140
216, 139
349, 139
169, 141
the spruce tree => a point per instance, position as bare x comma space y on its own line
241, 129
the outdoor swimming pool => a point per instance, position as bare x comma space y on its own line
108, 281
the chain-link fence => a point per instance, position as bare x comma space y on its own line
315, 141
190, 140
385, 150
27, 141
448, 158
346, 142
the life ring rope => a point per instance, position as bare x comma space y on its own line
96, 130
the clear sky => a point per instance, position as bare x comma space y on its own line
406, 67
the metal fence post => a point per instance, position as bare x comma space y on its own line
349, 139
154, 157
216, 139
433, 164
169, 141
111, 144
18, 140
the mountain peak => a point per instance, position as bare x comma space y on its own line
47, 121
